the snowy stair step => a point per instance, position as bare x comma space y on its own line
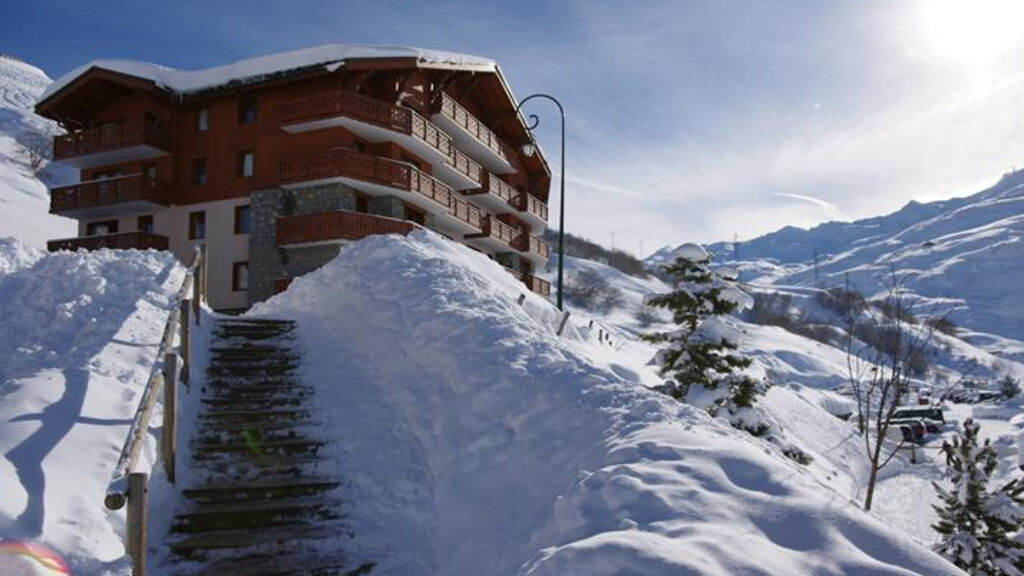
262, 500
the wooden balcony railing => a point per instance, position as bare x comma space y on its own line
529, 203
121, 241
84, 195
345, 103
343, 163
532, 244
434, 137
333, 226
111, 137
538, 285
466, 166
498, 230
379, 113
465, 120
467, 213
502, 189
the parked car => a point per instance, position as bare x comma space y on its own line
932, 417
917, 427
901, 434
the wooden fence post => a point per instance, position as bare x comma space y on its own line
169, 434
138, 486
561, 326
186, 360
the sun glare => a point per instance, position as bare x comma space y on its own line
973, 32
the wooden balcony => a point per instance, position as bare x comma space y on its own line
495, 235
108, 197
335, 227
115, 143
379, 121
467, 213
121, 241
472, 135
538, 285
533, 247
372, 174
498, 196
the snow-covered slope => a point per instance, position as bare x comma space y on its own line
963, 253
78, 335
24, 200
478, 442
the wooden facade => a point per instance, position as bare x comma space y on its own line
443, 140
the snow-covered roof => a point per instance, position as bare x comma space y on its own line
252, 69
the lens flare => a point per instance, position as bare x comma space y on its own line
27, 559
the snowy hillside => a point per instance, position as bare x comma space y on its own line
963, 253
24, 199
78, 335
478, 442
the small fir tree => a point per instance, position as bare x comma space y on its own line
980, 530
1009, 387
699, 355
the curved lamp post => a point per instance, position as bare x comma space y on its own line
529, 148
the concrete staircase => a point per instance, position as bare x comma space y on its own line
255, 500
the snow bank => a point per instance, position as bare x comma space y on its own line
78, 335
250, 69
477, 442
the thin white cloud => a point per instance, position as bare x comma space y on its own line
828, 209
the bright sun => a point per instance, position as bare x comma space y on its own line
973, 32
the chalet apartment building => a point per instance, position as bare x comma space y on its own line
272, 163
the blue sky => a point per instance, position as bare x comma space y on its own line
687, 120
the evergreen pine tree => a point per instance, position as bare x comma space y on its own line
699, 353
980, 530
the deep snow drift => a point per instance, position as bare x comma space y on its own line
478, 442
78, 336
24, 199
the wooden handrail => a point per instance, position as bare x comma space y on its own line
127, 486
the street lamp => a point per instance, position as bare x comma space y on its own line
529, 148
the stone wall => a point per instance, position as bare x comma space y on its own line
267, 262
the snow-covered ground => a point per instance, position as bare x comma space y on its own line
478, 442
24, 200
78, 336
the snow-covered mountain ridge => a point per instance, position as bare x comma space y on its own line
24, 198
962, 254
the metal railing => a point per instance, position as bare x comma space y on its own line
129, 486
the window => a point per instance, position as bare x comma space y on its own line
240, 276
101, 228
199, 171
196, 225
203, 120
415, 215
362, 203
247, 109
245, 164
243, 219
359, 146
145, 224
149, 170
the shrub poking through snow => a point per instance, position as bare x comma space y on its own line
1009, 387
699, 355
981, 530
590, 290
